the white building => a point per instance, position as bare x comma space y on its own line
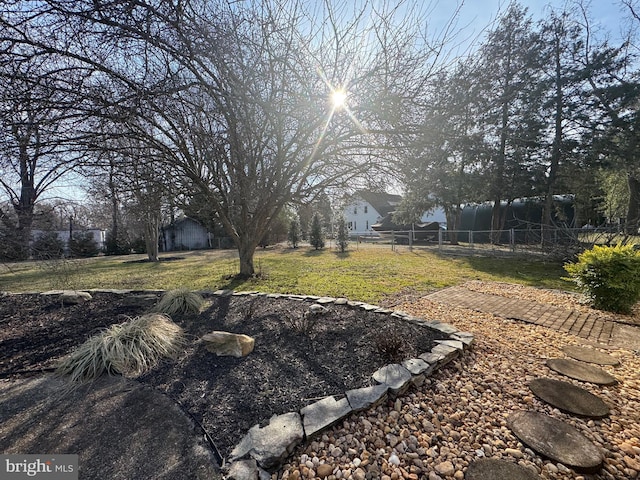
366, 208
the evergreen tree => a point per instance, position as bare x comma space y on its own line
342, 234
316, 232
294, 233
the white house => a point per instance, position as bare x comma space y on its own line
366, 208
99, 236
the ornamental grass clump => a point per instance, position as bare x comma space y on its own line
180, 301
130, 349
609, 276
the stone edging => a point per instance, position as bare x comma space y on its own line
265, 448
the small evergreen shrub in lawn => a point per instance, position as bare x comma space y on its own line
179, 301
609, 276
130, 348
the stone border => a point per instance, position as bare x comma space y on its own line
265, 448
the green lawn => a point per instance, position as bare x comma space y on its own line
366, 274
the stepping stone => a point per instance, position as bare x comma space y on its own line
491, 469
554, 439
569, 398
580, 371
590, 355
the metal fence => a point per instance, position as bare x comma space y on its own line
539, 240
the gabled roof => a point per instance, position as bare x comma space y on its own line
383, 202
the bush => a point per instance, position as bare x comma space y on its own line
316, 232
342, 235
82, 244
609, 276
293, 236
47, 246
179, 301
130, 348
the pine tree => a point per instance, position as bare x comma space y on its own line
294, 233
342, 235
316, 232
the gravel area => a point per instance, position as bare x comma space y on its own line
460, 413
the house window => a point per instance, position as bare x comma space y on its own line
367, 220
350, 225
355, 210
366, 210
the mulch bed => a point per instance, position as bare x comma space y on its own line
289, 368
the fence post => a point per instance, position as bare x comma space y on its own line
512, 239
471, 239
440, 239
393, 240
411, 240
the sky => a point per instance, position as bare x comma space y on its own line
475, 15
473, 19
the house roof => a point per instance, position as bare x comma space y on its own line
383, 202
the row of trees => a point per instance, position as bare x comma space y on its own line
538, 109
223, 110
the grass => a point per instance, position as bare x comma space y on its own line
368, 273
180, 301
129, 348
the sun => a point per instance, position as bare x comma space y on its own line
338, 98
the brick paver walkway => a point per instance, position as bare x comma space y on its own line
589, 326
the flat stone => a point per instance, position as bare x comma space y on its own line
341, 301
444, 328
457, 344
368, 308
433, 358
580, 371
228, 344
323, 413
569, 398
466, 338
590, 355
223, 293
367, 397
555, 439
418, 366
395, 376
447, 351
73, 297
325, 300
243, 470
492, 469
271, 444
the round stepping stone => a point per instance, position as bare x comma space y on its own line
580, 371
554, 439
491, 469
590, 355
569, 398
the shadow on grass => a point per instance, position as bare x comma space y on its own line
519, 270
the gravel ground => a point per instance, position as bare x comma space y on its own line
459, 415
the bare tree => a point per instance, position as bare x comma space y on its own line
39, 113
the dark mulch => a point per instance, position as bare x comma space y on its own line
287, 370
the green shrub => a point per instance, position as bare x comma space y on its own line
179, 301
130, 348
82, 244
47, 245
316, 232
609, 276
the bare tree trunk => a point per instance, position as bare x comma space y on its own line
151, 233
452, 213
633, 212
246, 250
